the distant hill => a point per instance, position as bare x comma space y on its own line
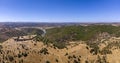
60, 36
73, 33
7, 33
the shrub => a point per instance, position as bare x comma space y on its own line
60, 45
44, 51
74, 56
19, 55
106, 51
86, 61
78, 59
47, 61
21, 61
75, 61
56, 60
10, 58
95, 49
1, 46
66, 54
69, 57
25, 54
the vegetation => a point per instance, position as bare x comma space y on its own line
25, 54
84, 33
69, 57
46, 41
42, 39
47, 61
95, 48
19, 55
44, 51
106, 51
59, 45
10, 58
60, 36
32, 31
75, 61
56, 60
1, 47
101, 59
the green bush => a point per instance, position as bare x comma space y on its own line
60, 45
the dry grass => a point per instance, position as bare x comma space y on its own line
29, 52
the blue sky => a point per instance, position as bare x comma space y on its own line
59, 10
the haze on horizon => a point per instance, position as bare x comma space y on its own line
59, 11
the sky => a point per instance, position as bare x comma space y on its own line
59, 10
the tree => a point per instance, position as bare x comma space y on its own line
47, 61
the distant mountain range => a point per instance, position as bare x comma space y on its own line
52, 24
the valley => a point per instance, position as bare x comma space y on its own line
64, 44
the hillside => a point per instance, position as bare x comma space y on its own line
67, 44
7, 32
75, 52
63, 35
81, 32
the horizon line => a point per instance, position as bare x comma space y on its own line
54, 22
